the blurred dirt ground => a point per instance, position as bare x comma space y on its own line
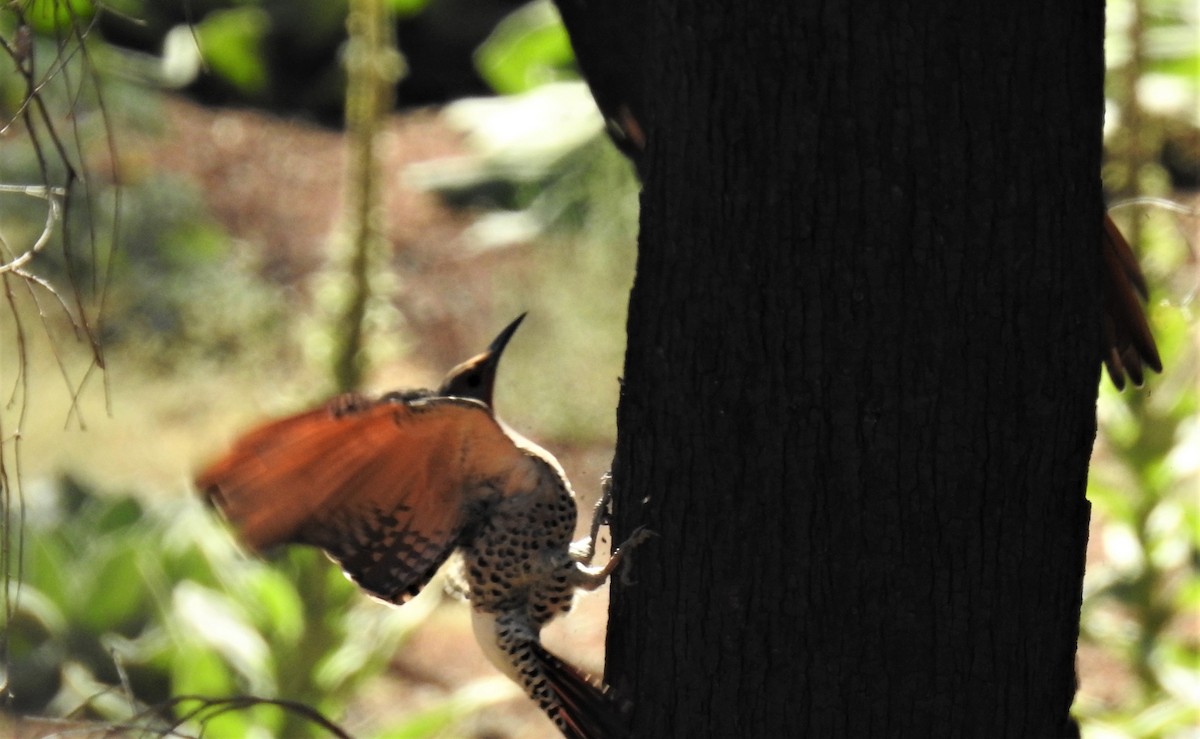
279, 184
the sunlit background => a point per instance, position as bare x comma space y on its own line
179, 177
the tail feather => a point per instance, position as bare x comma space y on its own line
588, 711
1129, 343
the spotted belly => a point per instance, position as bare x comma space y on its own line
520, 558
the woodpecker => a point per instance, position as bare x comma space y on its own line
390, 486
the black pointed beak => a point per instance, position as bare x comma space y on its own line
496, 348
476, 377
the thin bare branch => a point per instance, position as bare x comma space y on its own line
53, 196
151, 721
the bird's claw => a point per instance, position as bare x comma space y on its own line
639, 536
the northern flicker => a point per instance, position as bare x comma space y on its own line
389, 487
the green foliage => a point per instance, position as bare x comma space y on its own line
152, 602
527, 49
1152, 86
231, 44
1141, 596
53, 16
437, 720
249, 49
406, 8
1159, 38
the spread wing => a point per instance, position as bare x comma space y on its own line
1129, 343
386, 487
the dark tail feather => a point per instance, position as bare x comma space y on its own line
590, 711
1129, 344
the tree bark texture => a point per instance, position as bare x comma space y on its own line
858, 401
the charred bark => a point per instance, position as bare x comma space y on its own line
858, 401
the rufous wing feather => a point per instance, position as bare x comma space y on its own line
385, 486
278, 475
1129, 344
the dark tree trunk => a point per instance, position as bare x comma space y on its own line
859, 391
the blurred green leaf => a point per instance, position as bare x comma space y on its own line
1143, 591
1182, 67
436, 721
527, 49
80, 687
281, 606
219, 720
373, 633
1113, 499
197, 670
37, 618
113, 596
1176, 664
231, 42
49, 16
1160, 718
406, 8
48, 564
116, 514
213, 619
193, 244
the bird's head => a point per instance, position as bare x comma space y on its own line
476, 377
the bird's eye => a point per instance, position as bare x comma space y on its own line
474, 380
